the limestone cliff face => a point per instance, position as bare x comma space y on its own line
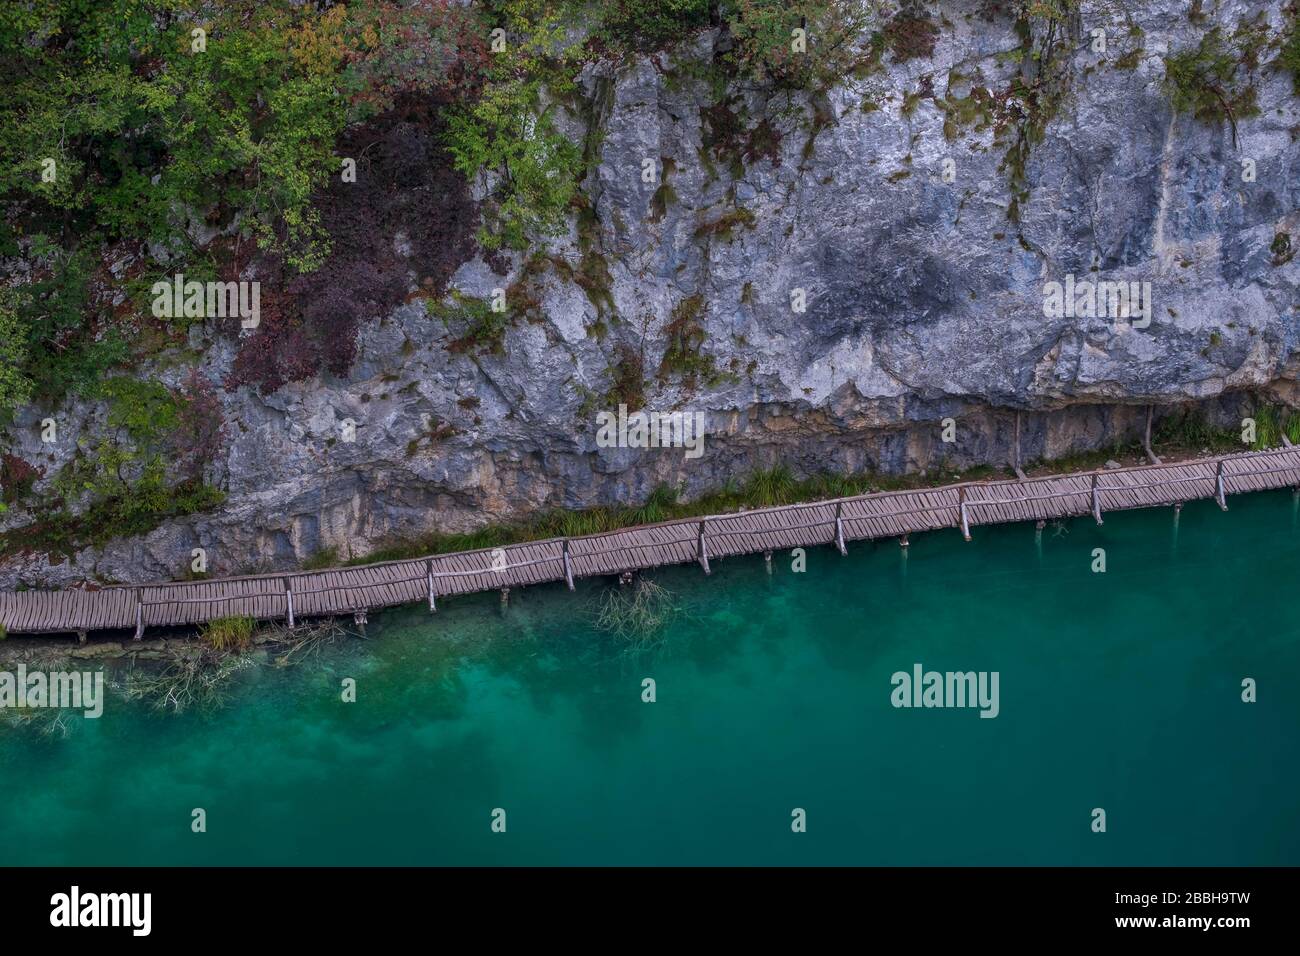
888, 204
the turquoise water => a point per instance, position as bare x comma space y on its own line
1119, 690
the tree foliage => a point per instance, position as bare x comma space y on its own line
15, 386
423, 47
1212, 81
510, 132
646, 24
767, 47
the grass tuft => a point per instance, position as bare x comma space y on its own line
228, 633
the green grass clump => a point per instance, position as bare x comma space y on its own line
1271, 423
324, 558
473, 321
228, 633
1189, 428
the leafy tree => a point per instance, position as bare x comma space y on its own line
509, 129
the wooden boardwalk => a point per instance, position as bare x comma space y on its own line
294, 596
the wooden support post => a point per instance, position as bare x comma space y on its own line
961, 509
433, 599
505, 597
139, 614
568, 568
81, 637
288, 597
1146, 441
359, 618
701, 552
903, 543
1016, 444
1220, 490
1015, 451
839, 528
1096, 501
767, 561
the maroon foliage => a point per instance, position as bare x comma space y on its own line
200, 428
406, 188
16, 478
421, 47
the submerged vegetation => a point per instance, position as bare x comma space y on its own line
186, 682
196, 677
638, 613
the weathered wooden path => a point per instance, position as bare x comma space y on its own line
294, 596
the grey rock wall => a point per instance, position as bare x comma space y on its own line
923, 301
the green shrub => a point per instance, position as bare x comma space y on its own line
135, 475
324, 558
15, 386
63, 352
509, 130
473, 323
762, 31
141, 125
1206, 82
1289, 57
647, 24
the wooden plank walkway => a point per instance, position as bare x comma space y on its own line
293, 596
